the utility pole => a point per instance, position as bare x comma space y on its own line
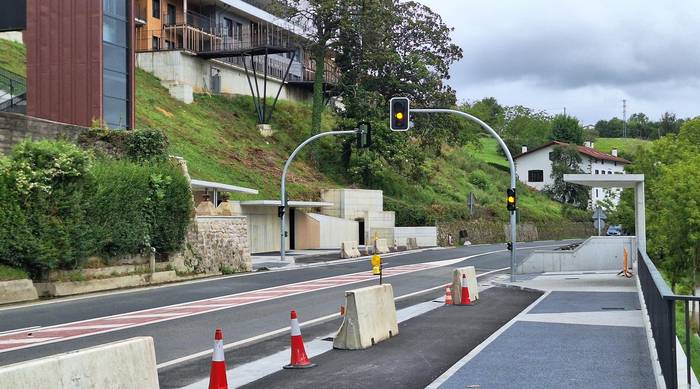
624, 118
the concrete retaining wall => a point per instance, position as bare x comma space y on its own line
15, 128
126, 364
370, 317
425, 236
596, 253
69, 288
332, 230
16, 291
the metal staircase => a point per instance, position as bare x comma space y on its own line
13, 92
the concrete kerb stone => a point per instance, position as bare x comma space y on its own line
470, 272
129, 363
370, 318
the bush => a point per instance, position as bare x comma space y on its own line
134, 145
479, 179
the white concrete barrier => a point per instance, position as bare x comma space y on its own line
370, 317
17, 290
381, 246
129, 363
411, 243
470, 272
349, 249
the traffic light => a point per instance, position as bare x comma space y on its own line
400, 113
509, 245
376, 265
511, 199
280, 211
364, 135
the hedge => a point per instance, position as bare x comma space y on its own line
61, 206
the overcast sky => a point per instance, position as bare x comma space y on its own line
583, 55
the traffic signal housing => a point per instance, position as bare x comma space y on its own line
364, 135
400, 114
511, 199
376, 265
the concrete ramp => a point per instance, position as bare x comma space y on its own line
125, 364
370, 317
597, 253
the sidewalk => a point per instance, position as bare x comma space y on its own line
587, 331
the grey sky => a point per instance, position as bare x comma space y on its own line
583, 55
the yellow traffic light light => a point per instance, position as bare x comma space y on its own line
376, 270
511, 199
399, 115
399, 109
376, 260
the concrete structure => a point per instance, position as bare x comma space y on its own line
635, 181
317, 231
361, 205
534, 167
16, 291
80, 61
470, 273
425, 236
370, 317
125, 364
597, 253
349, 249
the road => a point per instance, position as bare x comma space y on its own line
244, 306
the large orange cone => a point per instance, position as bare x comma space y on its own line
217, 377
465, 291
448, 296
299, 358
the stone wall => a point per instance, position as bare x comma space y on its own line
480, 231
15, 128
215, 244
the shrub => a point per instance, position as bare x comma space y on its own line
134, 145
479, 179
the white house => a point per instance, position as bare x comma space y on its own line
534, 167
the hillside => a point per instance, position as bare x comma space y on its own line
218, 138
626, 146
13, 57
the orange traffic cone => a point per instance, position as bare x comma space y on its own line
299, 358
465, 291
448, 296
217, 377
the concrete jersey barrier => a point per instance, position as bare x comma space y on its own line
125, 364
370, 317
471, 283
411, 243
349, 249
381, 246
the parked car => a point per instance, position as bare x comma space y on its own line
615, 230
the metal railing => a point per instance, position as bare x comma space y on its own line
661, 307
13, 89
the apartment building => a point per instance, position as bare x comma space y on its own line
227, 47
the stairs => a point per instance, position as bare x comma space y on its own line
13, 92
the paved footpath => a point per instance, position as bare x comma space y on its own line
585, 332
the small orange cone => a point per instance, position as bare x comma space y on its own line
217, 377
448, 296
299, 358
465, 291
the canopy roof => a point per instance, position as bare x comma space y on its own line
201, 184
605, 180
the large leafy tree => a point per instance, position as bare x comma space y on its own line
566, 128
567, 160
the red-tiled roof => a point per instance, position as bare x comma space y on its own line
593, 153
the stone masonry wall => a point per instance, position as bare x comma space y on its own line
15, 128
215, 244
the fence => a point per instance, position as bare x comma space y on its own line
661, 307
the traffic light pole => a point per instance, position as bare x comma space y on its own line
513, 218
283, 192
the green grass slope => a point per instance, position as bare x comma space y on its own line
13, 57
218, 138
626, 146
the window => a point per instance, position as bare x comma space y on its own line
228, 27
238, 32
551, 155
155, 43
602, 162
535, 176
115, 8
115, 72
156, 9
171, 18
615, 163
596, 192
602, 171
596, 171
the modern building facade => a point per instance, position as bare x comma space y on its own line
224, 46
534, 167
80, 61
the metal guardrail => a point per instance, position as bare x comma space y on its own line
661, 308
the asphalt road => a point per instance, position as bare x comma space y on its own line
184, 336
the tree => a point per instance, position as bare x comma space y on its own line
668, 124
567, 128
566, 160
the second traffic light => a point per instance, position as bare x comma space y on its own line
364, 135
400, 114
511, 199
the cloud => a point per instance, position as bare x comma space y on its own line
579, 54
